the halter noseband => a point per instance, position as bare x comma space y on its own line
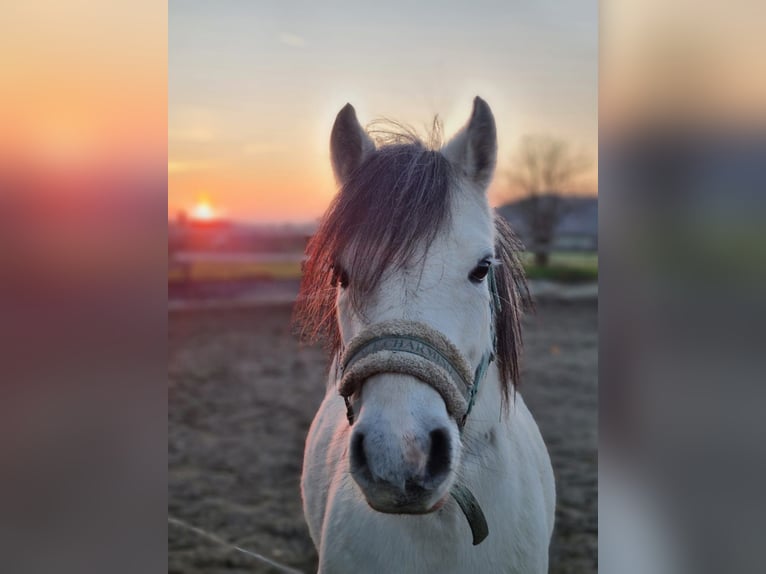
415, 349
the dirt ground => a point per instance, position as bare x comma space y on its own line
241, 396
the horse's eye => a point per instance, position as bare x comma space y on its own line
339, 275
480, 271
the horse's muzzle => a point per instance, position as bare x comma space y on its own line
416, 482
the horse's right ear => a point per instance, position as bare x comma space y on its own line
349, 144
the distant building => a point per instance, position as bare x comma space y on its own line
577, 230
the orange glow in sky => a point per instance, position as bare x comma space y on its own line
80, 90
254, 89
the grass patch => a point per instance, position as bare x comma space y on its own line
563, 267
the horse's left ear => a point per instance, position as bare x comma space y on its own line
474, 149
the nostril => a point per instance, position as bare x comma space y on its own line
439, 454
358, 456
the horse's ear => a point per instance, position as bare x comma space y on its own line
349, 144
474, 149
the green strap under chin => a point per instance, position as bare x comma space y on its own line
470, 507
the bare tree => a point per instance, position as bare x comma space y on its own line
542, 171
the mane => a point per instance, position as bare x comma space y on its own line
514, 300
395, 203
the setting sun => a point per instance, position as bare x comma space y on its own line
203, 211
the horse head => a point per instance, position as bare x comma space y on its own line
414, 242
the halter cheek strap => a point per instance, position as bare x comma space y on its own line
481, 371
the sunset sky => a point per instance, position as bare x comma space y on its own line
254, 88
83, 83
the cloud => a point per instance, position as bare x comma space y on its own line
292, 40
191, 135
176, 167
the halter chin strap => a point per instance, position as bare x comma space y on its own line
415, 349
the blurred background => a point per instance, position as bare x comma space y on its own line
97, 132
83, 180
253, 92
682, 146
